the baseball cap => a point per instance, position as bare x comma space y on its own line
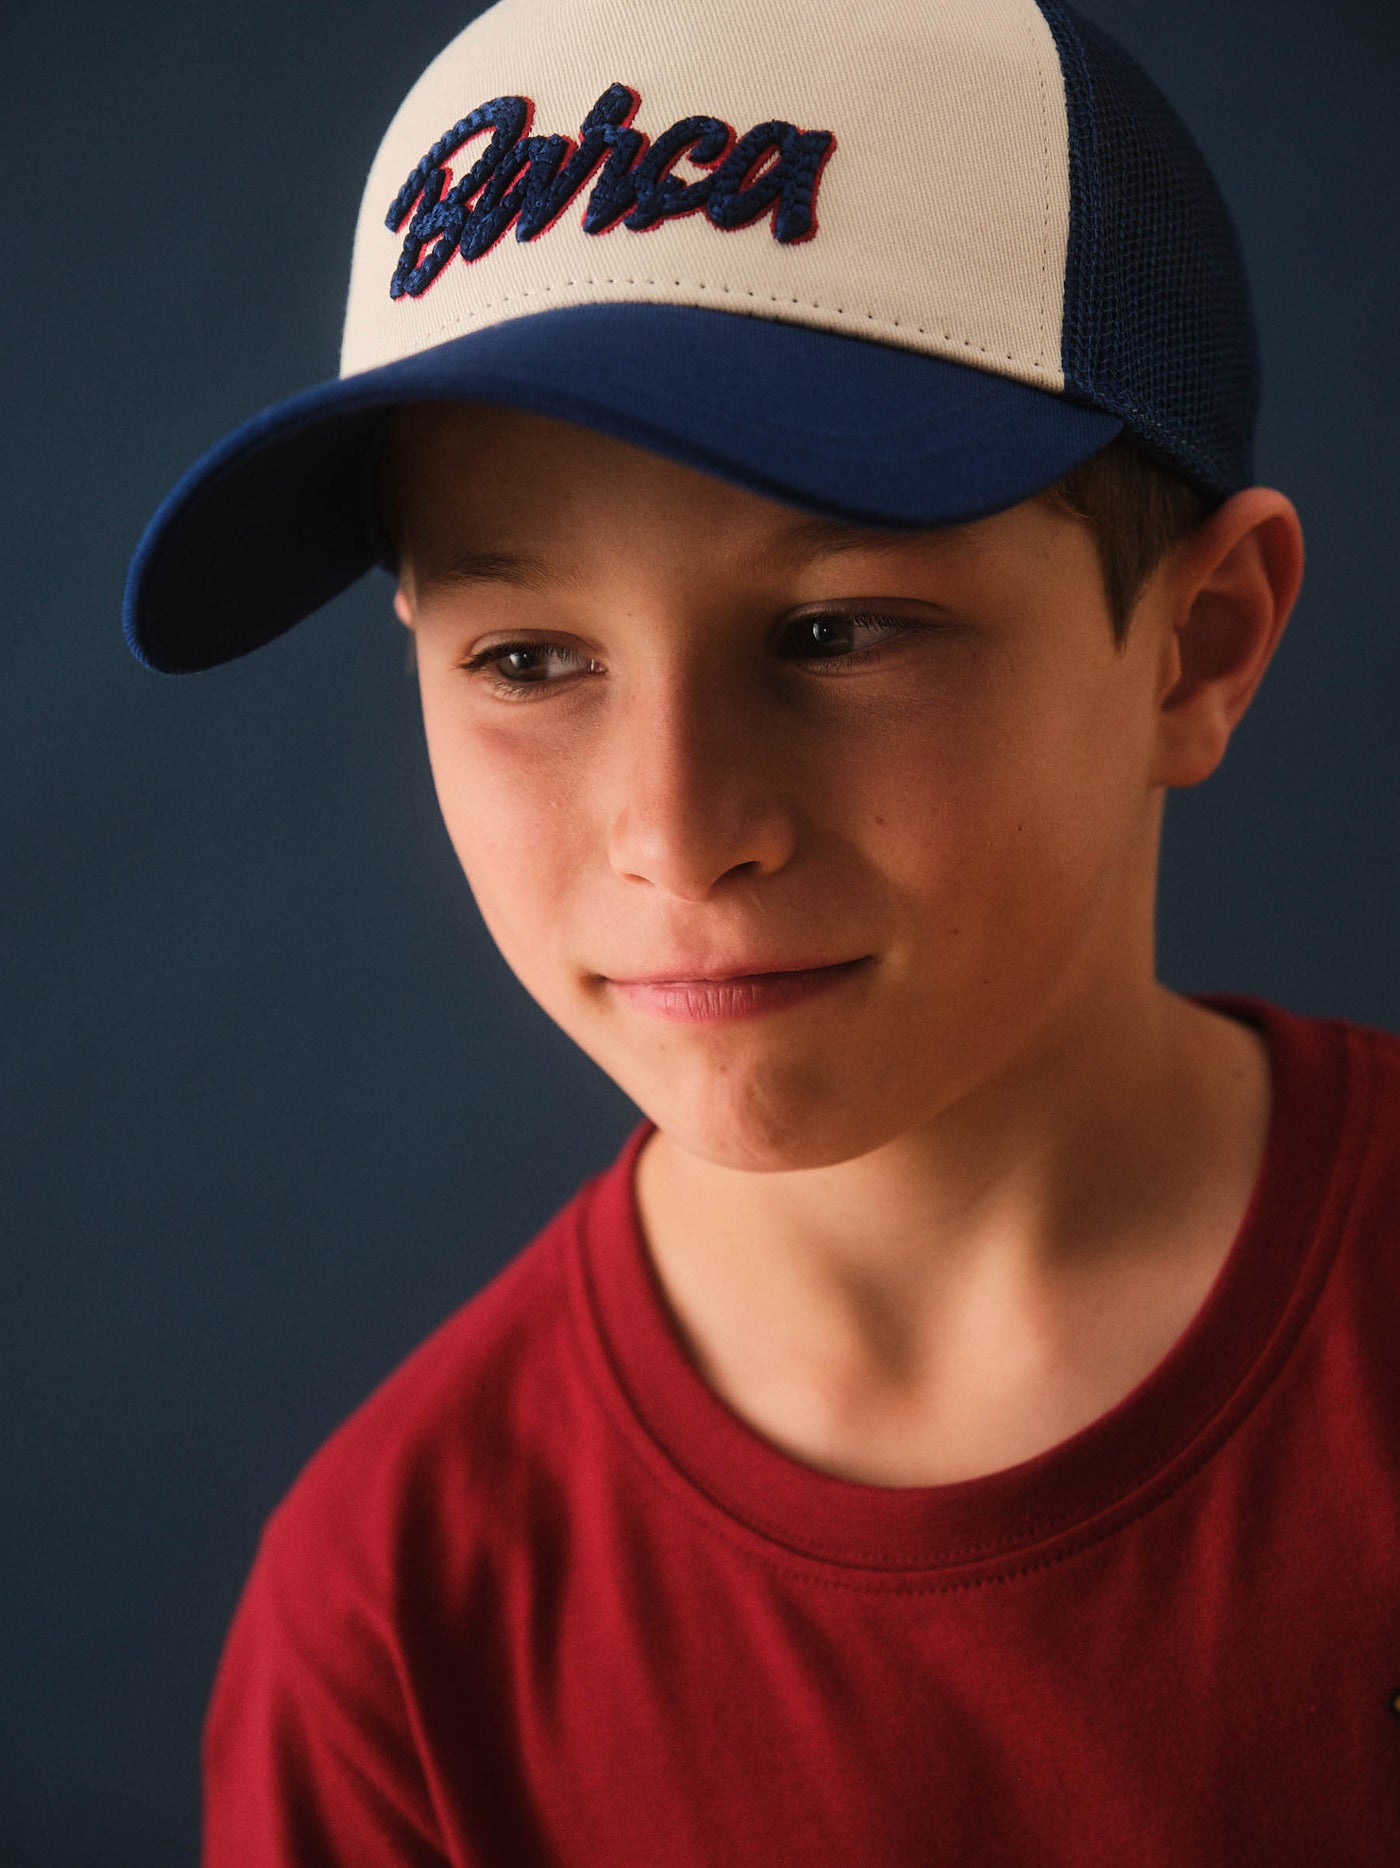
902, 263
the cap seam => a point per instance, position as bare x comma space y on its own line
1045, 178
459, 319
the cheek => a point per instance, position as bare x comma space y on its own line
944, 794
512, 820
999, 829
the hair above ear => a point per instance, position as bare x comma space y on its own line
1136, 509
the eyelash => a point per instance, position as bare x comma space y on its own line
517, 690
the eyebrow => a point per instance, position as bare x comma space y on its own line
469, 566
811, 539
821, 538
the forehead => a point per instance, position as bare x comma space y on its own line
475, 491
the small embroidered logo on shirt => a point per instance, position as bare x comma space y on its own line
774, 168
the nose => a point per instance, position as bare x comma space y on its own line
705, 785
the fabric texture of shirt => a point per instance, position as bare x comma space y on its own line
544, 1601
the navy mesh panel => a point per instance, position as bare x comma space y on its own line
1159, 326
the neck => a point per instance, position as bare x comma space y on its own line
1120, 1149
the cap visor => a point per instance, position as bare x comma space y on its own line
279, 517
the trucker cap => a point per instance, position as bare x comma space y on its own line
900, 264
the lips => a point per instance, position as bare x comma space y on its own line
701, 975
739, 996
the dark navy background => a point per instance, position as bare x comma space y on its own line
274, 1104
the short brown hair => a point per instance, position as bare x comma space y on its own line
1136, 510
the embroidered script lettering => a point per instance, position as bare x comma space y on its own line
528, 181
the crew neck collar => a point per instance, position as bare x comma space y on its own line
1118, 1466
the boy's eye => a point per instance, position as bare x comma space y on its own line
528, 659
830, 635
828, 631
522, 664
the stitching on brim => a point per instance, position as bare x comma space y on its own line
695, 285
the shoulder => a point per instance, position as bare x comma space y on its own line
1344, 1078
1327, 1062
1380, 1043
1372, 1059
379, 1576
1373, 1053
1341, 1088
425, 1466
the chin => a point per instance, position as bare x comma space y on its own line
760, 1107
753, 1131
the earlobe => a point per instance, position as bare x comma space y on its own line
402, 608
1229, 597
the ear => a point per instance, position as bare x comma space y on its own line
1221, 601
402, 608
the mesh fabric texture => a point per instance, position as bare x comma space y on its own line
1159, 323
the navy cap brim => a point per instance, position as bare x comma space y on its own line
279, 517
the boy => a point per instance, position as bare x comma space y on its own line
963, 1423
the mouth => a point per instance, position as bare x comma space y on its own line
785, 970
711, 1001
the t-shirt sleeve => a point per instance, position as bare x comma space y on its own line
308, 1752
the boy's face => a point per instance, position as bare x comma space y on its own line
973, 802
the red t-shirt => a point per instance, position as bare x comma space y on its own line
543, 1599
